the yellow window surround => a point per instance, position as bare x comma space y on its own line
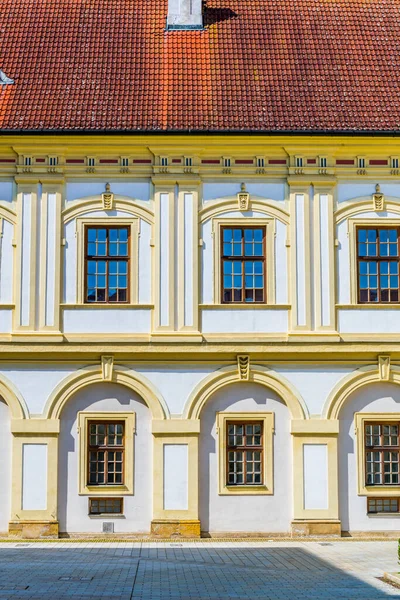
267, 488
352, 225
129, 419
363, 489
269, 225
83, 222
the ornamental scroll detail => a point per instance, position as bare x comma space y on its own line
243, 367
243, 198
378, 199
108, 198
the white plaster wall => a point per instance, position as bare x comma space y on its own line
245, 513
35, 382
5, 466
314, 384
107, 320
270, 191
34, 476
6, 263
315, 476
343, 263
145, 263
70, 264
5, 320
176, 476
73, 509
355, 189
244, 321
175, 383
281, 264
6, 191
136, 189
379, 397
369, 321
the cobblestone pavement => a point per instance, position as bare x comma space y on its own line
197, 570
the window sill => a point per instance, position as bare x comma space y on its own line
366, 306
395, 515
109, 490
245, 490
230, 306
107, 516
98, 305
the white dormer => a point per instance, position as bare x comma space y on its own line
185, 14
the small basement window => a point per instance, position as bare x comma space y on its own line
106, 506
382, 505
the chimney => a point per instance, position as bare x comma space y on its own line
185, 14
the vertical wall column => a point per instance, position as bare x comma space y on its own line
175, 479
188, 258
50, 256
34, 478
164, 263
300, 258
176, 254
324, 259
315, 484
26, 256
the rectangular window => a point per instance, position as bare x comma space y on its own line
105, 453
107, 264
27, 161
260, 162
382, 450
124, 162
90, 162
244, 453
322, 161
164, 161
227, 162
382, 505
395, 163
53, 161
188, 161
243, 264
299, 161
361, 163
105, 506
378, 264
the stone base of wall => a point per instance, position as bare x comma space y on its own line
166, 528
317, 528
33, 529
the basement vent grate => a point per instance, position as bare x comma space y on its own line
108, 527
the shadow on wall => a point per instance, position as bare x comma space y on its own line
243, 513
380, 397
183, 571
72, 508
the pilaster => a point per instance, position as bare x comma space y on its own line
315, 478
175, 479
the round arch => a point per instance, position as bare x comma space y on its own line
258, 374
351, 383
230, 203
13, 399
121, 375
8, 214
363, 204
94, 203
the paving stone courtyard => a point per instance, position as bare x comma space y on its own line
197, 570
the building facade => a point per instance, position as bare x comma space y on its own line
199, 275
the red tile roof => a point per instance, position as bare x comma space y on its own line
259, 65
